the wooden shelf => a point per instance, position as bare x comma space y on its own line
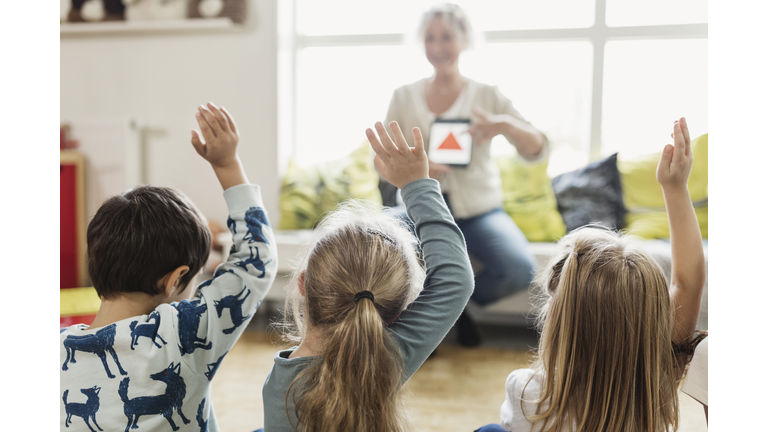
192, 25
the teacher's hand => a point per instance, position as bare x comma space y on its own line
489, 125
437, 171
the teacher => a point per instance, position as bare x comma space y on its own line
474, 193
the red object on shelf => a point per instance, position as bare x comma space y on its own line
64, 143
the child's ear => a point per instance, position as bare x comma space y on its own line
169, 283
302, 291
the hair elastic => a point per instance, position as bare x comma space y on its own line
363, 294
381, 234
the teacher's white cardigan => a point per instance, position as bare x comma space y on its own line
476, 189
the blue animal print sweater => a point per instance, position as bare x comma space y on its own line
153, 372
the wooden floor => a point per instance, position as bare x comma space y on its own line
458, 389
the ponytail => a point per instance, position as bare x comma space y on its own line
355, 384
357, 278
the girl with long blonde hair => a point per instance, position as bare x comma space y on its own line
363, 310
615, 334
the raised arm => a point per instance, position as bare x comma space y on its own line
223, 306
688, 267
449, 282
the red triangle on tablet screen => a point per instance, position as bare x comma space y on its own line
450, 143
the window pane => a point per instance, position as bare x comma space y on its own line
402, 16
647, 86
550, 84
341, 91
526, 14
655, 12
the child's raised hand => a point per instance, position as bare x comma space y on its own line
220, 146
220, 137
676, 161
689, 271
398, 163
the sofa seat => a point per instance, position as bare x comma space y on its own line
518, 308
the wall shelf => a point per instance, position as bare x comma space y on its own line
118, 28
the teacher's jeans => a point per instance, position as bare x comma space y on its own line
494, 240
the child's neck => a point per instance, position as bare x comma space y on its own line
126, 306
310, 345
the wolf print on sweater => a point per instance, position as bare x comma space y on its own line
85, 410
255, 219
99, 343
147, 330
163, 404
234, 303
189, 322
255, 262
232, 225
213, 367
200, 419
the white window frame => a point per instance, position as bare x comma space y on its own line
599, 34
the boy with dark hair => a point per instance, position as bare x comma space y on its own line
147, 359
158, 220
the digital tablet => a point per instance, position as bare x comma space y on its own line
449, 142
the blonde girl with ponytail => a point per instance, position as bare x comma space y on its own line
615, 335
362, 308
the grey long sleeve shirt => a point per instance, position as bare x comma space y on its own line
424, 323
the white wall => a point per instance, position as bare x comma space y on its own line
159, 79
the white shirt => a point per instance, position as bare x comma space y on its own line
476, 189
513, 408
696, 379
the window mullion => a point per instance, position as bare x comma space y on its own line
537, 35
599, 37
669, 31
303, 41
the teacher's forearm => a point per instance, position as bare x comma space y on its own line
526, 138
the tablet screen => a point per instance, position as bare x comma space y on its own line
449, 143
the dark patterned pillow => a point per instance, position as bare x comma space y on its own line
591, 194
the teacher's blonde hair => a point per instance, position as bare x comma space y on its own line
454, 18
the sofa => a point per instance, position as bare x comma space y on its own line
617, 193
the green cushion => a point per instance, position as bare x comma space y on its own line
308, 193
529, 198
644, 200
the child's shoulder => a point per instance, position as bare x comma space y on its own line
527, 379
72, 330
